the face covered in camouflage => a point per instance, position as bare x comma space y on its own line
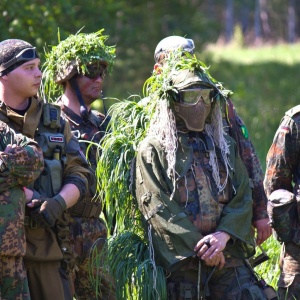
193, 101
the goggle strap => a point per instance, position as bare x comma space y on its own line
18, 58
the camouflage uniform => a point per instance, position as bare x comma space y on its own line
44, 256
23, 165
283, 172
196, 209
235, 126
88, 230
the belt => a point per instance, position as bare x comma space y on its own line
86, 210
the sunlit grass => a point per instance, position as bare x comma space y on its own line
269, 270
282, 53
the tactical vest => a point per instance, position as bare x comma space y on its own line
199, 179
51, 139
89, 206
49, 135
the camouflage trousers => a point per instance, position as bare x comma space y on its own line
289, 280
233, 282
88, 233
13, 279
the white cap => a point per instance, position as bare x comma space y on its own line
173, 42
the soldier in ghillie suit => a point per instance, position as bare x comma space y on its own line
192, 187
21, 161
64, 178
192, 195
79, 64
281, 183
235, 127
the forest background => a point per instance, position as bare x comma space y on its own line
251, 46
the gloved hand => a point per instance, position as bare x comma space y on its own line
47, 210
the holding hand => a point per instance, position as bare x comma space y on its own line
47, 210
210, 248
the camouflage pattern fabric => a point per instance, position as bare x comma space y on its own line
283, 172
13, 279
289, 280
43, 249
24, 162
205, 209
204, 213
89, 234
252, 164
87, 231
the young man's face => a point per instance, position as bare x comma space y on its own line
25, 80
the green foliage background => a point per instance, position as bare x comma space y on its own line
264, 79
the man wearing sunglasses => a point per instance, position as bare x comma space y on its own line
65, 176
80, 71
234, 125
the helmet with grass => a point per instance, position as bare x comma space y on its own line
72, 56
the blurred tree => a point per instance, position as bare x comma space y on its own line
291, 21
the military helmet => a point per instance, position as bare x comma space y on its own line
74, 54
172, 43
182, 79
13, 53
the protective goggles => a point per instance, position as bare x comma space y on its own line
193, 95
25, 55
95, 71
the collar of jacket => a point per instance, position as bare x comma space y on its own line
26, 124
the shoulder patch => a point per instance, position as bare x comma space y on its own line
244, 131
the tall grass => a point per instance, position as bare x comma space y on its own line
269, 270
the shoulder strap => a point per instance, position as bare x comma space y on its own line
232, 122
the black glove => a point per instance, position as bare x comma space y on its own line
48, 210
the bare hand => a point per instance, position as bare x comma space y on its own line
9, 147
28, 194
264, 230
211, 245
34, 203
218, 260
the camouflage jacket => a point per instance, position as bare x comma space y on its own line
283, 172
89, 135
236, 128
75, 169
283, 164
23, 165
197, 208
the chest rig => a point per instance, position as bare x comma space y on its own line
50, 138
198, 190
89, 135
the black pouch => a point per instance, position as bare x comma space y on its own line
253, 292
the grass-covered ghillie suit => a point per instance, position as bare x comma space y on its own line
130, 251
